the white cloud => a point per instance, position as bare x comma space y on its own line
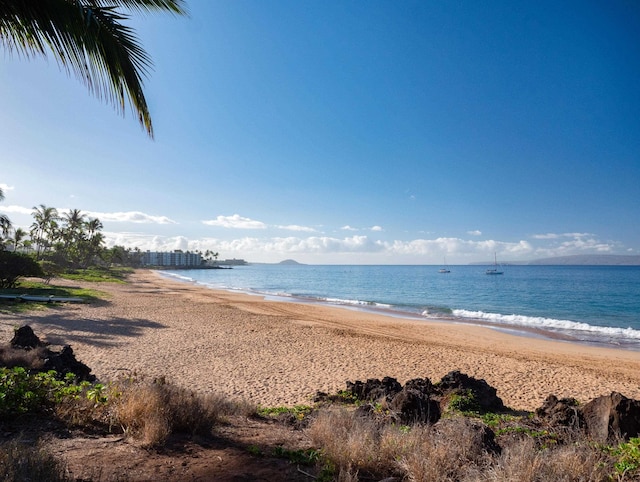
6, 187
130, 217
376, 228
294, 227
15, 209
365, 249
562, 235
475, 232
348, 228
236, 221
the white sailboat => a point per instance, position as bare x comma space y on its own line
444, 269
494, 270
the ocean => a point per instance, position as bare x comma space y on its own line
584, 304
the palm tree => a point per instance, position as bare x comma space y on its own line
88, 38
43, 227
5, 224
18, 240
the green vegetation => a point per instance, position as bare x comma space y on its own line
345, 445
302, 457
69, 245
627, 460
23, 392
99, 274
464, 402
14, 266
298, 411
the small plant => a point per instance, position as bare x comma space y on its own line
627, 457
254, 450
303, 457
494, 420
298, 411
97, 394
464, 402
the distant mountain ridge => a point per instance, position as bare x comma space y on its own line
590, 260
575, 260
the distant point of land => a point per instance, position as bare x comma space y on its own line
591, 260
289, 261
578, 260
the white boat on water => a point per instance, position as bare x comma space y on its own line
444, 269
494, 270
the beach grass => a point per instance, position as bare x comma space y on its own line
99, 275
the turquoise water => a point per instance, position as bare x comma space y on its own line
590, 304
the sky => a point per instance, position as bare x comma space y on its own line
348, 132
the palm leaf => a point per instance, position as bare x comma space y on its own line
88, 38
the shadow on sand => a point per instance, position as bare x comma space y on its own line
97, 332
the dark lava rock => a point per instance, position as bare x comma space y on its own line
44, 359
374, 389
414, 405
484, 394
563, 412
609, 417
25, 338
65, 362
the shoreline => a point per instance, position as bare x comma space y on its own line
594, 339
281, 353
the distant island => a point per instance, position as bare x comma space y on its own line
578, 260
289, 262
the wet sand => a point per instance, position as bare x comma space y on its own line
282, 353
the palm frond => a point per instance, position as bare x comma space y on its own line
175, 6
89, 38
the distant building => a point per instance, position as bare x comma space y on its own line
171, 258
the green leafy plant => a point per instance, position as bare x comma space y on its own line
627, 457
494, 420
464, 402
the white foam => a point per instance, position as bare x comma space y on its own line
340, 301
548, 323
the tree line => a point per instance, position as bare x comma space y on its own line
56, 243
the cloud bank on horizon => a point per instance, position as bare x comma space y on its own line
333, 249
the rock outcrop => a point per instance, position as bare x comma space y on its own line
419, 400
604, 419
610, 417
44, 359
24, 338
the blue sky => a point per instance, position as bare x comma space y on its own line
349, 132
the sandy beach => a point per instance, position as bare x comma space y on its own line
282, 353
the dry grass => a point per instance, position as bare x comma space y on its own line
18, 357
21, 461
151, 411
451, 450
579, 462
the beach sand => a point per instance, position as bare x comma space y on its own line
281, 353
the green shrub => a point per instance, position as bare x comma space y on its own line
465, 402
627, 456
14, 266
